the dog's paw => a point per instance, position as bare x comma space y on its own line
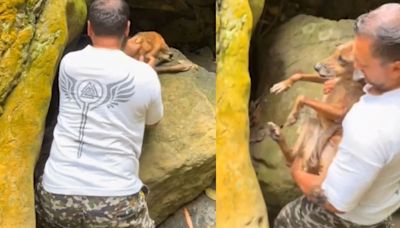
187, 65
292, 119
257, 134
274, 131
280, 87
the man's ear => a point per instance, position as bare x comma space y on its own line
396, 69
89, 29
128, 26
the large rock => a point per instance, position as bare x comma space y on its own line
201, 211
32, 38
178, 159
295, 46
239, 199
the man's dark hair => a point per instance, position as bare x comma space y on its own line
109, 17
382, 26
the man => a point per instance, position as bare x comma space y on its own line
106, 99
362, 187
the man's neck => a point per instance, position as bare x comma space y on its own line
106, 42
376, 91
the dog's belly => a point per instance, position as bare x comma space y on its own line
316, 138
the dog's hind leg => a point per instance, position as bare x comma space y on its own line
182, 66
276, 135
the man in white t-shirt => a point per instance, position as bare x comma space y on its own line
362, 187
91, 178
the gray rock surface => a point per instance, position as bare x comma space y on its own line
178, 158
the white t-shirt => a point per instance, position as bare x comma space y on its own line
106, 98
364, 177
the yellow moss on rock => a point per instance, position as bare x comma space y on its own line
29, 62
239, 199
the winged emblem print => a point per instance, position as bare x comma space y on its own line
91, 94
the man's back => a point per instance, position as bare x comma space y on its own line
106, 98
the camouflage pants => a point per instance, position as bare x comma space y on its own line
56, 210
301, 213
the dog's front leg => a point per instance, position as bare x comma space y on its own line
333, 112
294, 113
286, 84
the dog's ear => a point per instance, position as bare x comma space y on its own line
346, 51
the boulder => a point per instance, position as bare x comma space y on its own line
178, 158
295, 46
239, 199
32, 38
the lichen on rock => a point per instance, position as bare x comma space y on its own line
239, 199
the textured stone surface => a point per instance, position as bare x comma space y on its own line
240, 202
178, 159
295, 46
202, 213
32, 38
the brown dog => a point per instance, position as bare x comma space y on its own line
151, 48
320, 134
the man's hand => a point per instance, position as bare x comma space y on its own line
150, 60
310, 185
317, 196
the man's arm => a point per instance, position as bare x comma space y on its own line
155, 110
310, 185
151, 126
286, 84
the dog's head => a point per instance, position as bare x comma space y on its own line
339, 64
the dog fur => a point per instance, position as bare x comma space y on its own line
151, 47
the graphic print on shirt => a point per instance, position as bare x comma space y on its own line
91, 94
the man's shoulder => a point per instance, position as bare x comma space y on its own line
141, 68
73, 56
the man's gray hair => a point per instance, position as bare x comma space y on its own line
382, 25
109, 17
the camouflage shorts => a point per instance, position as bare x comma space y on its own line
56, 210
302, 213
